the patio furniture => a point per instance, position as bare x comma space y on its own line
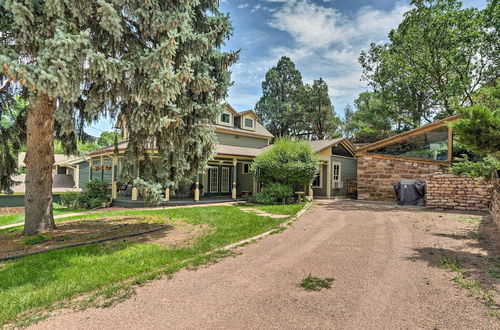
245, 194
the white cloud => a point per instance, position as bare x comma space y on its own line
243, 5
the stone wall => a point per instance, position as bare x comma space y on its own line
448, 191
376, 176
495, 200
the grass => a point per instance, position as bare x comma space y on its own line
312, 283
19, 217
288, 209
36, 239
41, 281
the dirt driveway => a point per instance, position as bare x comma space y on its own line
386, 262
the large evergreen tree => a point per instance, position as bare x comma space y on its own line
158, 63
280, 101
319, 118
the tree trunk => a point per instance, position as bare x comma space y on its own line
39, 162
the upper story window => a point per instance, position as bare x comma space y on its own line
248, 123
225, 118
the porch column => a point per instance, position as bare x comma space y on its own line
113, 178
102, 169
329, 179
233, 191
254, 186
197, 188
311, 193
134, 193
77, 176
167, 194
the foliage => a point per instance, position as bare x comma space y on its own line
152, 192
281, 91
95, 193
69, 199
434, 60
370, 121
274, 193
479, 125
319, 118
107, 138
475, 169
313, 283
36, 239
288, 162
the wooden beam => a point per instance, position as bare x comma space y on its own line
450, 144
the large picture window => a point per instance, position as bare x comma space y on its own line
432, 145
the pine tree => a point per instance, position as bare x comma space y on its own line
157, 63
320, 120
280, 99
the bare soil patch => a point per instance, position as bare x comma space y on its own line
11, 210
177, 233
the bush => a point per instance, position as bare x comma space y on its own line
69, 199
288, 162
274, 193
483, 168
94, 194
152, 192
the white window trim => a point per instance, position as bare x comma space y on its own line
231, 119
320, 178
244, 125
340, 174
243, 168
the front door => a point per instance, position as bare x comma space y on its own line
219, 180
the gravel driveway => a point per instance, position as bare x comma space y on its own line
375, 253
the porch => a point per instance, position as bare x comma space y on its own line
126, 201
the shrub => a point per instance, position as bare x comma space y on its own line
274, 193
94, 194
482, 168
152, 192
69, 199
288, 162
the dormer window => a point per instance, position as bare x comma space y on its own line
225, 118
248, 123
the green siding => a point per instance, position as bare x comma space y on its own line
244, 181
108, 174
18, 200
241, 141
322, 191
348, 170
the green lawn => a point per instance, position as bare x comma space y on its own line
44, 279
19, 218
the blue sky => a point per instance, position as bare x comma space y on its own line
323, 37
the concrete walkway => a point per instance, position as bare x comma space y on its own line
369, 251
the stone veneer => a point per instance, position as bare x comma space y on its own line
448, 191
376, 176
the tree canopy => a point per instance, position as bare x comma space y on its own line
280, 101
434, 60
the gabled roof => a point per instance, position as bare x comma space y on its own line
260, 130
320, 145
253, 113
402, 136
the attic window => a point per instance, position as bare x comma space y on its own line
225, 118
249, 122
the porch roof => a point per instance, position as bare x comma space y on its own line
221, 149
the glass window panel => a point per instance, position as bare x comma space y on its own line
432, 145
248, 122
